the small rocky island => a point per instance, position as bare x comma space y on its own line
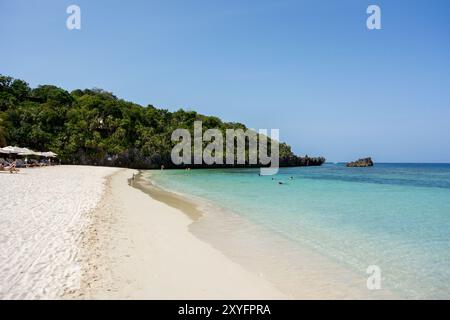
366, 162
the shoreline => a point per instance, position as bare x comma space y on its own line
141, 248
180, 202
109, 236
300, 273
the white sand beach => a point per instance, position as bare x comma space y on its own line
144, 250
43, 215
74, 232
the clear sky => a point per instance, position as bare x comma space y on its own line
310, 68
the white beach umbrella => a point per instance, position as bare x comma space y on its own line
11, 149
49, 154
4, 151
26, 152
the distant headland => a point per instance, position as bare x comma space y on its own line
94, 127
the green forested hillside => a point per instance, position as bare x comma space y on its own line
95, 127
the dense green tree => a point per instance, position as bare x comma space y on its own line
93, 126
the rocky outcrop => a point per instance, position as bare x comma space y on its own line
366, 162
135, 159
297, 161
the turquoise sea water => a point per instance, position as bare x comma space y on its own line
395, 216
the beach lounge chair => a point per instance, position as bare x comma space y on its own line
11, 168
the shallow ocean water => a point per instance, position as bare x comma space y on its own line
395, 216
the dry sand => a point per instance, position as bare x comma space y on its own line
140, 248
83, 232
43, 212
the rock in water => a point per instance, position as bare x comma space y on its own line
366, 162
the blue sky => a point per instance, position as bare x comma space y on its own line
310, 68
